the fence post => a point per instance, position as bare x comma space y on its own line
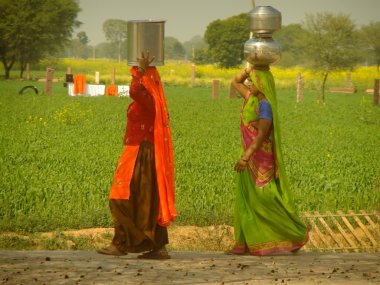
215, 89
299, 97
192, 75
27, 71
113, 76
49, 81
348, 79
97, 77
376, 93
232, 91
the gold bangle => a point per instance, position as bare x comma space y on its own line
245, 160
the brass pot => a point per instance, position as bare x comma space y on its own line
262, 51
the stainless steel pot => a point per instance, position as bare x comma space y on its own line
262, 51
264, 20
145, 35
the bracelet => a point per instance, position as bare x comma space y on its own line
245, 160
247, 74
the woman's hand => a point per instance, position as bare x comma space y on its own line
241, 164
144, 61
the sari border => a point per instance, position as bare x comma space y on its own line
278, 246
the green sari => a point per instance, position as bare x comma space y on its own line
265, 219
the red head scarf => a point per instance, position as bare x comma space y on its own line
163, 146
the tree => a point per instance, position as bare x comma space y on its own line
290, 38
83, 38
79, 46
115, 31
226, 39
331, 43
104, 50
30, 30
370, 36
173, 48
202, 56
195, 44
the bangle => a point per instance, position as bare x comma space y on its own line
247, 74
245, 160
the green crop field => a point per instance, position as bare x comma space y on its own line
58, 153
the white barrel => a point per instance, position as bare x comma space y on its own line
145, 35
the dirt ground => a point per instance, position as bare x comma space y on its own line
188, 238
181, 238
88, 267
197, 258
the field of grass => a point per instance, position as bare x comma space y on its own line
58, 154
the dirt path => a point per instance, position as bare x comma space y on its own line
88, 267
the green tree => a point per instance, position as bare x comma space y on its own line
370, 35
30, 30
226, 39
79, 46
173, 48
115, 31
290, 38
104, 50
331, 43
202, 56
193, 46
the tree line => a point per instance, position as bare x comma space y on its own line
39, 29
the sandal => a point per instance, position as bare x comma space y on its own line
155, 254
111, 250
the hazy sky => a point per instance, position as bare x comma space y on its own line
188, 18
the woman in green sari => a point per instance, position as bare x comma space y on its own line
265, 218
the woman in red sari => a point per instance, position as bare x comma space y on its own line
142, 192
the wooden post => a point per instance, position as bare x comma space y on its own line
348, 79
113, 76
215, 89
27, 71
97, 77
299, 87
376, 93
192, 75
232, 91
49, 81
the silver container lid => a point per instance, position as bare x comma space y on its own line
264, 20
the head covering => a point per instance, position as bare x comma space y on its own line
264, 82
163, 147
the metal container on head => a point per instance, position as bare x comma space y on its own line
264, 20
145, 35
262, 51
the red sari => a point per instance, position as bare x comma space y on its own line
142, 192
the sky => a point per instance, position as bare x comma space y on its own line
185, 19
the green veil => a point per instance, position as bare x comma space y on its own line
264, 81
